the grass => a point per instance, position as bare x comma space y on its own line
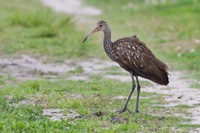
78, 70
95, 96
171, 30
40, 32
196, 85
2, 80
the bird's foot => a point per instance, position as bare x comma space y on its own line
123, 110
137, 111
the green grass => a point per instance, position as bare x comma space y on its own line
78, 70
38, 31
196, 85
2, 80
95, 96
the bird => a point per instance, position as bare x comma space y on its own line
135, 57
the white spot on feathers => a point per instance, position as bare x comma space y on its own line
129, 58
135, 64
131, 54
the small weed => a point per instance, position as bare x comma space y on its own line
78, 70
196, 85
2, 80
183, 106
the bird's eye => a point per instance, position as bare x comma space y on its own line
100, 25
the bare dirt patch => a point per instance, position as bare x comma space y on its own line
26, 67
80, 11
179, 92
56, 114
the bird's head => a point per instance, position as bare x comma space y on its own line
101, 26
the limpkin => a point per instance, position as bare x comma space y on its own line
133, 56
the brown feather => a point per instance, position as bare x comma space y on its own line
133, 55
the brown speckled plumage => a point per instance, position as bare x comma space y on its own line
133, 56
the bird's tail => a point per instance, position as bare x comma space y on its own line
157, 72
162, 79
161, 73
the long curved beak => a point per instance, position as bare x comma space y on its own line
94, 31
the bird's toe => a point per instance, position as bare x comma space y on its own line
137, 111
123, 110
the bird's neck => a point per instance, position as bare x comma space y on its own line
107, 38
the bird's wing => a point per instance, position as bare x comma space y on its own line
134, 56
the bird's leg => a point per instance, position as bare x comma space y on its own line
138, 94
132, 90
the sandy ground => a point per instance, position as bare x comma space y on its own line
76, 8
